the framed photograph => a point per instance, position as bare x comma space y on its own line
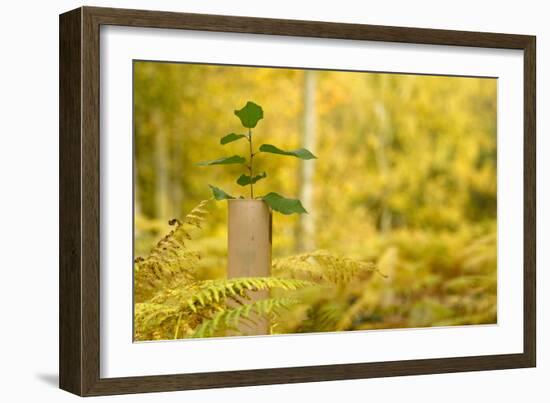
249, 201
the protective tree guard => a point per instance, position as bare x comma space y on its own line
249, 249
249, 218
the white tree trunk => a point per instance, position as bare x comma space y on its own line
161, 171
384, 134
305, 234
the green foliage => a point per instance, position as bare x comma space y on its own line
230, 138
220, 194
245, 180
235, 159
301, 153
209, 291
283, 205
182, 308
408, 182
250, 114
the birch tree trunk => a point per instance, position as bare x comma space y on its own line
384, 140
305, 231
162, 179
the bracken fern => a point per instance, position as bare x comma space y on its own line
170, 262
322, 266
171, 302
229, 319
181, 309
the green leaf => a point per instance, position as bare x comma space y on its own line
250, 114
231, 137
235, 159
246, 180
220, 194
299, 153
283, 205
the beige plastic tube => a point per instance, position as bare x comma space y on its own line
249, 249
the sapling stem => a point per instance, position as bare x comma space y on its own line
250, 165
249, 115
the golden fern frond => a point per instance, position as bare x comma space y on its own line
208, 293
324, 316
181, 309
169, 261
480, 255
154, 321
322, 266
363, 304
216, 290
168, 246
149, 314
229, 319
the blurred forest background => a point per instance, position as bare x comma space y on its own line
405, 179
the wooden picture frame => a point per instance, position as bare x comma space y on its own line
79, 346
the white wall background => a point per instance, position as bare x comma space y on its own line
29, 199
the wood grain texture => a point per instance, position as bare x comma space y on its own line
90, 202
530, 202
80, 196
314, 29
70, 273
